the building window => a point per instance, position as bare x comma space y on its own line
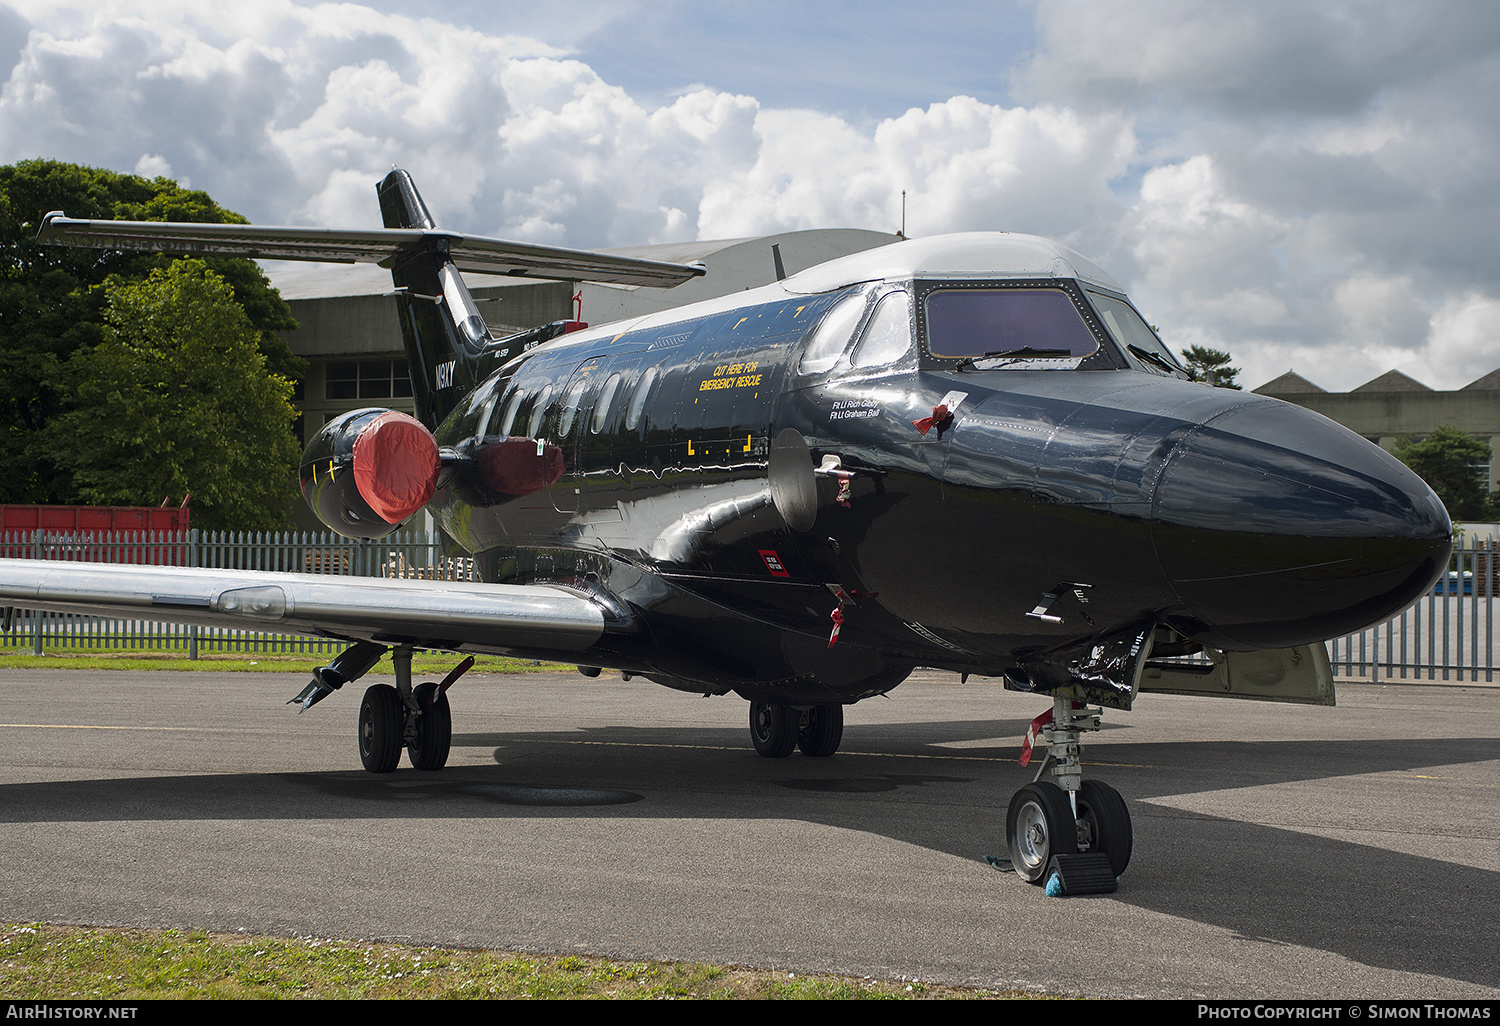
366, 379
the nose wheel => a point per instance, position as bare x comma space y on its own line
1081, 828
1038, 826
1104, 824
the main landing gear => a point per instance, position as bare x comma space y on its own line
418, 718
390, 718
777, 729
1076, 828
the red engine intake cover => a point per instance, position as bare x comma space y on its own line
396, 465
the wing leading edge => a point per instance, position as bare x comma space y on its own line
383, 246
439, 614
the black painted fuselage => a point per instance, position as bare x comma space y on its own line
726, 476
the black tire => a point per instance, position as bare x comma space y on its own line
382, 721
1108, 819
773, 729
1039, 825
823, 731
434, 729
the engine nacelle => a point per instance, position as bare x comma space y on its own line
368, 471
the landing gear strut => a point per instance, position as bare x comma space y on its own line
777, 729
418, 718
1079, 828
390, 718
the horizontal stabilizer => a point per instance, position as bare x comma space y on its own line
382, 246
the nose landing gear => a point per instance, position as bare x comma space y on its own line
1076, 828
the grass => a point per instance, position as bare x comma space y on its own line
427, 664
44, 962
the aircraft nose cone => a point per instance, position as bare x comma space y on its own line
1277, 527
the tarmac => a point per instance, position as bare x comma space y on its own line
1280, 851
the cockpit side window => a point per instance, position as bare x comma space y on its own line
1133, 334
832, 334
1020, 323
888, 335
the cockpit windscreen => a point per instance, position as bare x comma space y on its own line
1010, 322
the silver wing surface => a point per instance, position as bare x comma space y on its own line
363, 245
427, 614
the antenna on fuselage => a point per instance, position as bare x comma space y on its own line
776, 256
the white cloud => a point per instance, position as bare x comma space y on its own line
1304, 186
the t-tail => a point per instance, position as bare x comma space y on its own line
448, 346
446, 338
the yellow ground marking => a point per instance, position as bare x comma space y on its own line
156, 730
738, 748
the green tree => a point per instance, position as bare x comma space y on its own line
1447, 460
175, 400
51, 306
1210, 366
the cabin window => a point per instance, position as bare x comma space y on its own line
606, 399
538, 410
831, 335
484, 418
1019, 323
508, 414
570, 403
638, 398
888, 335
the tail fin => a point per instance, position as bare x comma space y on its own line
443, 331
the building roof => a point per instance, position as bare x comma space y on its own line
1489, 383
1392, 381
1290, 383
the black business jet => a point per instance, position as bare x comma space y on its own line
967, 452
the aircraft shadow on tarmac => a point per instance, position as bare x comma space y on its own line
1278, 886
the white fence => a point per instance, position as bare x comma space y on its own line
404, 554
1448, 634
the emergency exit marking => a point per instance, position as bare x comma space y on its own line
773, 563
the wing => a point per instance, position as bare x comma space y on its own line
427, 614
363, 245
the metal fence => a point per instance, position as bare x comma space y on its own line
1449, 634
404, 554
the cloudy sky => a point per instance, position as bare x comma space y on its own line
1310, 185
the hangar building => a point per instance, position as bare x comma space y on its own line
351, 338
1393, 404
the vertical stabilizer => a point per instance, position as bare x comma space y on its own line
441, 326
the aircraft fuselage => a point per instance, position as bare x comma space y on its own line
684, 491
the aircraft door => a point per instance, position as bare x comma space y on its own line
591, 403
566, 493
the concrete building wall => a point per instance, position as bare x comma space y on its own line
1383, 417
